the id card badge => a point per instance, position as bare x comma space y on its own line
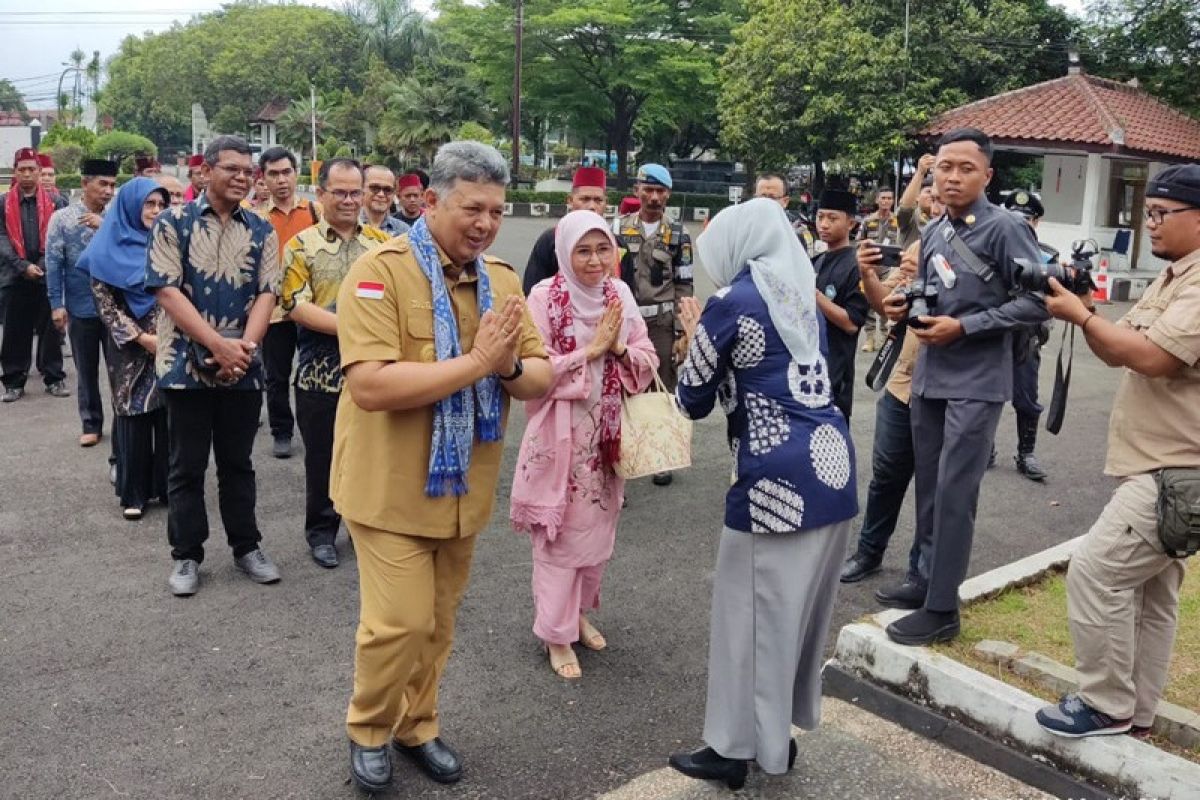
943, 269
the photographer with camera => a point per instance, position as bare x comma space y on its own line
963, 374
1123, 583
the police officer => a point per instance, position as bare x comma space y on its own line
963, 375
657, 265
881, 225
1027, 352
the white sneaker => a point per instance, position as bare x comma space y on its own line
185, 578
258, 567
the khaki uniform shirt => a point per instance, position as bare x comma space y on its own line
910, 222
1155, 422
381, 458
658, 268
899, 384
880, 231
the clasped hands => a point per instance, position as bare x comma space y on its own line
495, 348
232, 357
608, 333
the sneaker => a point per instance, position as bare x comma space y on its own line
112, 474
1075, 719
185, 578
908, 595
258, 567
1140, 731
859, 566
58, 390
133, 513
12, 395
662, 479
924, 627
282, 448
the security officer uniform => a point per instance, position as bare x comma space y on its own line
879, 230
1027, 354
803, 229
959, 390
656, 263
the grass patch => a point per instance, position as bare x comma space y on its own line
1035, 619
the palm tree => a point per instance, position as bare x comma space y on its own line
392, 30
421, 116
295, 124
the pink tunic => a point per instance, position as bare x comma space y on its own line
594, 492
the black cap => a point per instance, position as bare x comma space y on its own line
838, 200
1180, 182
1025, 203
98, 168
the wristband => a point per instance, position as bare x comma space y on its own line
1091, 317
518, 369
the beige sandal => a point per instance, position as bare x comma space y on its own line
566, 668
589, 637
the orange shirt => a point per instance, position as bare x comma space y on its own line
304, 214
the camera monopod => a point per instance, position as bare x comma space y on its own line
885, 359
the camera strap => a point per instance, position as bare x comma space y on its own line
1057, 410
885, 359
971, 261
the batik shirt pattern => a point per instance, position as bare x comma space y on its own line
221, 269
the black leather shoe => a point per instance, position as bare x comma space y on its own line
662, 479
858, 567
325, 555
435, 758
908, 596
924, 627
706, 764
371, 767
793, 751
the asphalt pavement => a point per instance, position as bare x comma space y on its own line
112, 688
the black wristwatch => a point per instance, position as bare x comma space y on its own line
518, 370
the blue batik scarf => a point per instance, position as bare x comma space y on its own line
454, 427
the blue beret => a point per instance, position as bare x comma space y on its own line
654, 174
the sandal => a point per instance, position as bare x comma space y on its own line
589, 637
566, 668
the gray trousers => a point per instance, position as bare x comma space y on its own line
952, 440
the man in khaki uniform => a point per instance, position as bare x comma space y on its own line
1122, 588
434, 340
656, 262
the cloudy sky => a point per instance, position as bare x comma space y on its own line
37, 42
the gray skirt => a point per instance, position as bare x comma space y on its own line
773, 596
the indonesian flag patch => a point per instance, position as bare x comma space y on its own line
369, 290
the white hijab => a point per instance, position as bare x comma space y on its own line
757, 233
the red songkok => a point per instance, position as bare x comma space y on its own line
44, 160
629, 205
589, 176
26, 154
195, 161
410, 180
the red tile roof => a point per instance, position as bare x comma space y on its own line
1090, 113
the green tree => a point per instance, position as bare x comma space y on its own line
1155, 41
232, 62
120, 145
67, 156
422, 115
60, 134
11, 100
392, 30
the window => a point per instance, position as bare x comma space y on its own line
1126, 189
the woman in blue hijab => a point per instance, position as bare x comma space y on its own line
116, 260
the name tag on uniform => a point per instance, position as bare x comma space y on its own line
369, 290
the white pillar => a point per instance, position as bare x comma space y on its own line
1093, 194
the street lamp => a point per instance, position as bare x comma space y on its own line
35, 132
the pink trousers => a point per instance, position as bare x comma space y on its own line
560, 595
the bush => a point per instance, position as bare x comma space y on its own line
75, 180
67, 157
122, 144
59, 135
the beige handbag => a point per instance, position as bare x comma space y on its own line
655, 436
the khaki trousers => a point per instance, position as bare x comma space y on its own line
409, 590
1122, 605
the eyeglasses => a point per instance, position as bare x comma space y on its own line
1157, 215
155, 204
342, 195
233, 170
383, 189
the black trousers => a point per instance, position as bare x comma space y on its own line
27, 316
315, 414
225, 422
278, 352
140, 446
87, 337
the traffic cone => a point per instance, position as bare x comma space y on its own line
1100, 293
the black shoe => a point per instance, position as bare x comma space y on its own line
662, 479
12, 395
325, 555
1029, 466
793, 751
992, 459
371, 767
1027, 463
858, 567
282, 447
58, 389
908, 595
924, 627
706, 764
435, 758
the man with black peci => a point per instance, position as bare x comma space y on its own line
1123, 583
839, 291
963, 375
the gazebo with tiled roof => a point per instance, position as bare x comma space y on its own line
1099, 140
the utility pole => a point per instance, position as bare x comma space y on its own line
516, 113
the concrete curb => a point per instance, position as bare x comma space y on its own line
1125, 765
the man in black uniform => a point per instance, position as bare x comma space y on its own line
839, 292
963, 375
589, 192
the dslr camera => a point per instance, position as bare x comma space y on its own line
1076, 278
921, 299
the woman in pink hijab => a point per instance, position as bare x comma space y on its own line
565, 494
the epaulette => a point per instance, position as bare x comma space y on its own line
492, 260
